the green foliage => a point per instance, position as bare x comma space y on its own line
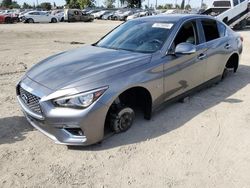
166, 6
74, 4
6, 3
132, 3
177, 6
14, 4
80, 4
109, 3
46, 6
188, 7
9, 4
183, 4
26, 6
86, 3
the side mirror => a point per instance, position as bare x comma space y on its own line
185, 48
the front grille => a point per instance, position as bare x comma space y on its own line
31, 101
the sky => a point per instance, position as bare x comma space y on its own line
194, 3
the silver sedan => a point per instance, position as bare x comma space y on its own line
78, 96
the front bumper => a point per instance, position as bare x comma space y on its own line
57, 123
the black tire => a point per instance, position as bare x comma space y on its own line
122, 119
62, 19
8, 20
30, 20
53, 20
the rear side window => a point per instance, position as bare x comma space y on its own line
222, 29
236, 2
210, 30
222, 4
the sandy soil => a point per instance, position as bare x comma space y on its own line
204, 142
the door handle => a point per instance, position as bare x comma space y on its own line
202, 56
227, 46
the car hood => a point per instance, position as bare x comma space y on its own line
83, 66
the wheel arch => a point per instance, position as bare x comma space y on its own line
138, 94
233, 61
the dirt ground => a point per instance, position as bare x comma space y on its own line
204, 142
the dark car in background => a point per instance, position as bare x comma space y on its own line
76, 15
75, 97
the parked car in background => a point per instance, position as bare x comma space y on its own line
8, 18
123, 16
76, 15
60, 16
108, 15
76, 97
39, 17
133, 16
98, 15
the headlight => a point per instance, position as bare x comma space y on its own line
81, 100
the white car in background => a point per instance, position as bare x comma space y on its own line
60, 16
40, 17
133, 16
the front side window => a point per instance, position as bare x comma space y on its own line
187, 33
138, 36
210, 30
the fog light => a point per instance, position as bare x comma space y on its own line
75, 131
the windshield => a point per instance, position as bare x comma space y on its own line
137, 36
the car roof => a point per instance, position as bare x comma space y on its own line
173, 17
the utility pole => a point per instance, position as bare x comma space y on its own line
156, 4
202, 3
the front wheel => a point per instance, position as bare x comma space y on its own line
30, 20
122, 119
53, 20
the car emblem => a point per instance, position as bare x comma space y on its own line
25, 98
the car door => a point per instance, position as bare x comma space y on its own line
219, 47
35, 16
184, 72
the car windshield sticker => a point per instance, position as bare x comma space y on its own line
163, 25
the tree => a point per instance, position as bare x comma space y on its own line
109, 3
14, 4
132, 3
6, 3
46, 6
177, 6
160, 7
74, 4
86, 3
26, 6
168, 6
54, 4
188, 7
183, 4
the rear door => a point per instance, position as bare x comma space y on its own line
218, 45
